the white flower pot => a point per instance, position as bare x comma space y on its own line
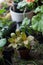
18, 17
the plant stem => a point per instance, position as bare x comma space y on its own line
24, 13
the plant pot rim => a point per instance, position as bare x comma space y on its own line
22, 12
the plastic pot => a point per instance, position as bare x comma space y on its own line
18, 17
24, 53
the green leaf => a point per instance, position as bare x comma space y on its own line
1, 24
39, 9
42, 8
2, 42
16, 1
36, 0
37, 22
21, 4
26, 21
2, 11
24, 24
35, 26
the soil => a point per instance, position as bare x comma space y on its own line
18, 11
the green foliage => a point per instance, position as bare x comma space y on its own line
36, 1
0, 34
2, 10
23, 4
4, 22
24, 24
1, 24
4, 25
2, 42
16, 1
37, 22
39, 9
4, 4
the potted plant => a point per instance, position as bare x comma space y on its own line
23, 8
22, 43
6, 26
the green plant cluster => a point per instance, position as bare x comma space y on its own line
28, 5
37, 20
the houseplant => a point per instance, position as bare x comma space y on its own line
6, 26
22, 43
23, 6
26, 25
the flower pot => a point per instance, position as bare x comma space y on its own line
18, 17
24, 53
